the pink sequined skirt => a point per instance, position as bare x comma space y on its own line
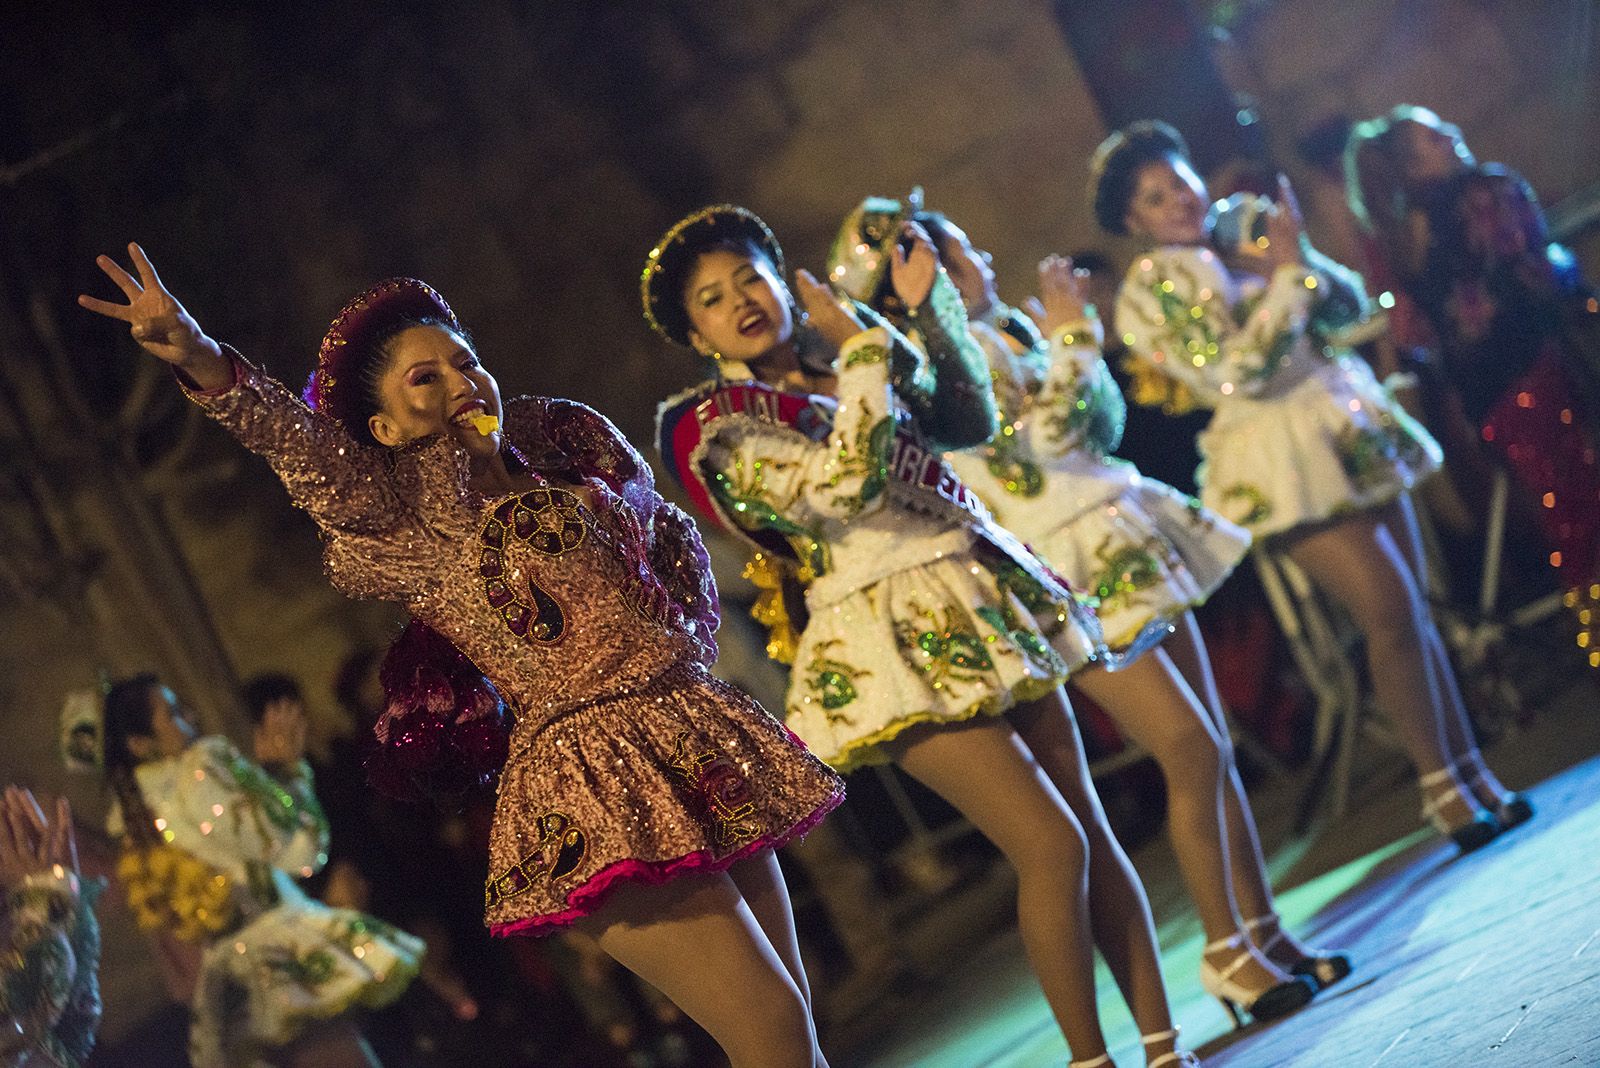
681, 774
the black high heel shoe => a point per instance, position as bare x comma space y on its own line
1277, 1000
1512, 809
1476, 832
1318, 965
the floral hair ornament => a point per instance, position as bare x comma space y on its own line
667, 264
862, 249
83, 730
335, 386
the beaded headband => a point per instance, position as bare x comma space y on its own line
664, 310
334, 387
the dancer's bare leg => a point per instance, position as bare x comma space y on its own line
698, 941
1252, 887
761, 884
983, 768
1123, 928
1357, 561
1150, 700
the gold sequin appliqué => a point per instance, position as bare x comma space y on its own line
551, 522
562, 847
714, 781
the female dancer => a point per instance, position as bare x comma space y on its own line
641, 798
49, 939
213, 844
933, 639
1516, 327
1148, 554
1303, 447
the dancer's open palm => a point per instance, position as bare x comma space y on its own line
158, 322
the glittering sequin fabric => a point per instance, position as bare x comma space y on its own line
628, 760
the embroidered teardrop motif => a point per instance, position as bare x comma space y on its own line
551, 522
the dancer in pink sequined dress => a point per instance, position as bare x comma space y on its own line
641, 798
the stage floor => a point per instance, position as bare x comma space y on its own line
1491, 958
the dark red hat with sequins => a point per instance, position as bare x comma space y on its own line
335, 386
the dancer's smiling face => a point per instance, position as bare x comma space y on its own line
737, 305
1168, 205
432, 382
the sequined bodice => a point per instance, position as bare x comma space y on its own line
557, 601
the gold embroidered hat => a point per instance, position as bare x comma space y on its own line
661, 283
861, 250
334, 387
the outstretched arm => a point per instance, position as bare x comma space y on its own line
343, 484
160, 324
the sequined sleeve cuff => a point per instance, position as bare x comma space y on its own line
191, 388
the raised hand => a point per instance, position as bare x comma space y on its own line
835, 323
1284, 229
158, 322
912, 273
63, 846
24, 849
1062, 299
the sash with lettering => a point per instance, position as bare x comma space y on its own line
685, 421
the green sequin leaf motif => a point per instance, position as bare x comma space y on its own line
832, 681
308, 971
1124, 573
1016, 586
1196, 336
867, 458
879, 442
1018, 475
749, 502
1095, 417
281, 807
944, 651
866, 354
1367, 455
1257, 506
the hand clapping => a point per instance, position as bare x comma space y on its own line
29, 844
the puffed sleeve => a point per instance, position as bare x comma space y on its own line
1175, 314
680, 561
772, 479
49, 988
1079, 405
345, 485
274, 820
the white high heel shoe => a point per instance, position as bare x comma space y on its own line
1269, 1004
1321, 965
1181, 1058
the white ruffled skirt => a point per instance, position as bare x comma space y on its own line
1332, 442
297, 964
1148, 555
967, 634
